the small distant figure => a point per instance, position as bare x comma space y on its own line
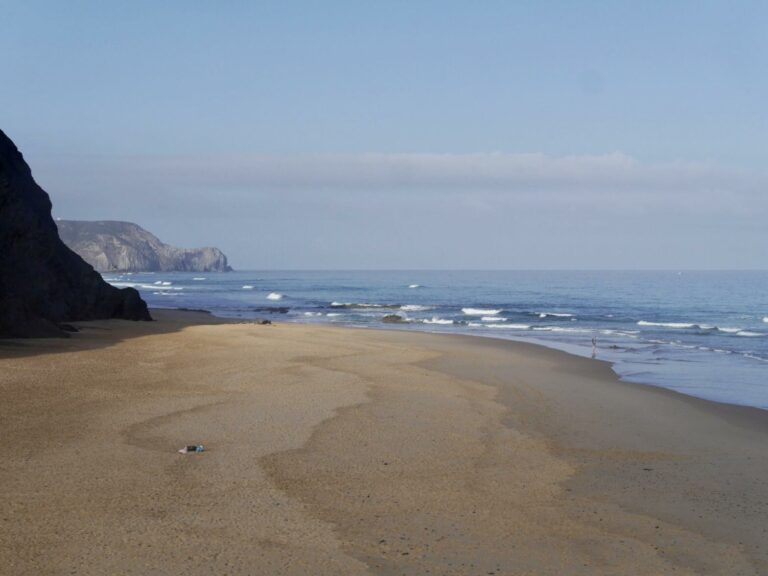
594, 345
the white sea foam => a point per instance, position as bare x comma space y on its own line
414, 286
155, 287
415, 308
436, 320
313, 313
555, 315
166, 283
124, 284
508, 326
480, 311
729, 330
333, 314
361, 305
247, 287
562, 329
749, 333
199, 278
274, 296
667, 324
765, 319
493, 319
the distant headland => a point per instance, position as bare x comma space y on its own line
113, 246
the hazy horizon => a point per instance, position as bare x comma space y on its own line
436, 135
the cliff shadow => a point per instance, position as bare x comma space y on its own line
103, 333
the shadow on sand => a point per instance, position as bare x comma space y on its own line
102, 333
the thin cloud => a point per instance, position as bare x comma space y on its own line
478, 172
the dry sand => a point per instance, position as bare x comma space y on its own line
349, 451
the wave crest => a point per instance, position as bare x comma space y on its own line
480, 311
436, 320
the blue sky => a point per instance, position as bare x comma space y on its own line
403, 134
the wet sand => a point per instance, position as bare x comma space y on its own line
351, 451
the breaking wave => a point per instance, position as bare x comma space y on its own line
436, 320
683, 325
555, 315
364, 305
480, 311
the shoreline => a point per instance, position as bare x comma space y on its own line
538, 343
363, 452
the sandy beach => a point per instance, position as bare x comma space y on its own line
335, 451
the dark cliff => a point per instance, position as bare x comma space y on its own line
111, 246
42, 282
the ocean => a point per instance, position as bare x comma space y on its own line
701, 333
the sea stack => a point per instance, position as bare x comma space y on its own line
42, 282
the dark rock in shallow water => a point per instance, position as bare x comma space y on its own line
113, 246
393, 319
273, 309
42, 282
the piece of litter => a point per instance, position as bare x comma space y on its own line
191, 449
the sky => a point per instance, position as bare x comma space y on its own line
402, 134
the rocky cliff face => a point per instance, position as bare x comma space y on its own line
111, 246
42, 282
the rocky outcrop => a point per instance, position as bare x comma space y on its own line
111, 246
43, 284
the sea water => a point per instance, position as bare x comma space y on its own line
700, 333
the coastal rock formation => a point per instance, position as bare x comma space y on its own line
111, 246
42, 282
